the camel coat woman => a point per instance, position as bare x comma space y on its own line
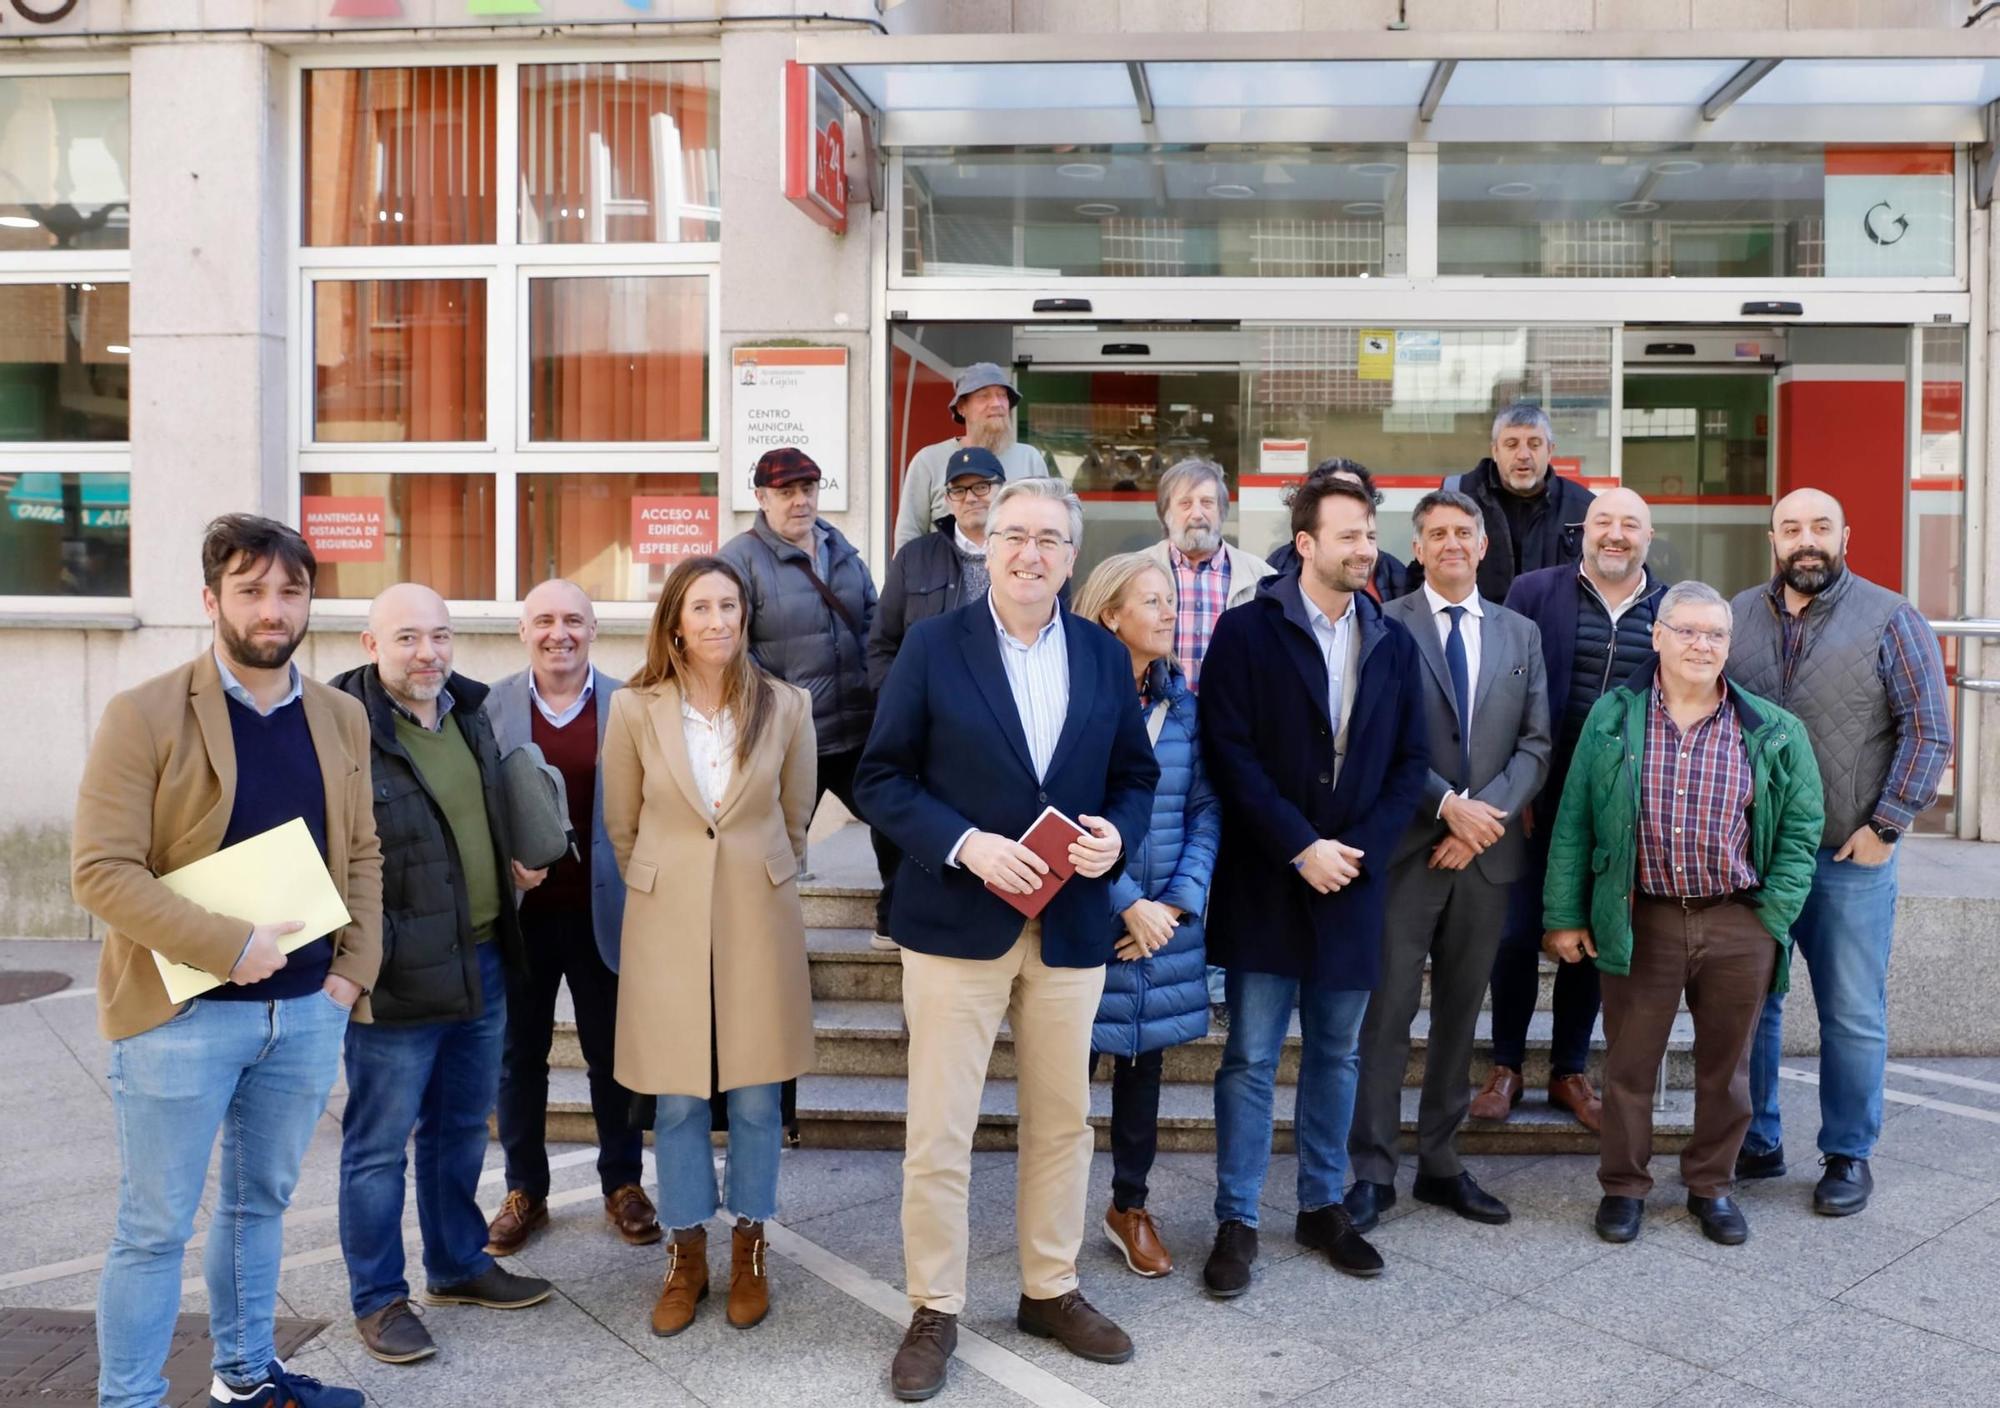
711, 902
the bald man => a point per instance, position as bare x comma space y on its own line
1861, 667
1596, 621
569, 928
429, 1066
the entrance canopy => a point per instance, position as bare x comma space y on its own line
1042, 89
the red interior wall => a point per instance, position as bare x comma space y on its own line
928, 422
1847, 438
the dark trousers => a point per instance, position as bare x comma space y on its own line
1722, 958
1135, 1125
1516, 979
836, 775
560, 946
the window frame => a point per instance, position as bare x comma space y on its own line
506, 266
92, 266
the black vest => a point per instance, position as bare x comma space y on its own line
1600, 658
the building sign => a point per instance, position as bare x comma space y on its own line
1889, 212
669, 527
1284, 458
345, 529
793, 396
815, 146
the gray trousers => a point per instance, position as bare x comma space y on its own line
1454, 918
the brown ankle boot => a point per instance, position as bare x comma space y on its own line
687, 1281
749, 1291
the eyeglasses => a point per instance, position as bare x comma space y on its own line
981, 489
1688, 635
1045, 543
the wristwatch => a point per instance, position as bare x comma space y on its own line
1888, 835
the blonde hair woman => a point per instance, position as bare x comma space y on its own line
708, 786
1156, 996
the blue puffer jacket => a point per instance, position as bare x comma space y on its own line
1156, 1002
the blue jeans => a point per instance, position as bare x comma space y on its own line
1260, 1009
258, 1073
686, 1161
438, 1080
1843, 935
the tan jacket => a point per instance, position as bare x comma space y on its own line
709, 906
1246, 570
157, 791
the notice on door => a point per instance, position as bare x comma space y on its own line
1282, 457
1375, 354
344, 529
794, 396
667, 527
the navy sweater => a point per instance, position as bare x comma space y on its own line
277, 779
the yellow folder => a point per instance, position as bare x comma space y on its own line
271, 878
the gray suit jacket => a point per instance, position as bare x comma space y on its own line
510, 710
1510, 729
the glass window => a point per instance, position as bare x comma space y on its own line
615, 535
1936, 547
1253, 212
65, 534
371, 531
65, 359
620, 153
399, 359
618, 358
397, 156
66, 151
1695, 210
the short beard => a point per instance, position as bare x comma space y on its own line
1198, 541
1634, 564
418, 693
993, 436
253, 656
1336, 577
1811, 581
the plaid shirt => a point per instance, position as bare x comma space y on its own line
1912, 673
1201, 591
1694, 805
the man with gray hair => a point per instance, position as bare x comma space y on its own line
1662, 872
1209, 574
983, 401
1534, 516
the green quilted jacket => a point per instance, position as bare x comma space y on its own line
1594, 850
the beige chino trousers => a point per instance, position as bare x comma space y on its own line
953, 1007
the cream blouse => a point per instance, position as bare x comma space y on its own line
711, 747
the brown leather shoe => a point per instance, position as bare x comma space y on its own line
1573, 1093
630, 1213
1137, 1238
687, 1281
919, 1370
1497, 1100
749, 1291
519, 1218
1076, 1325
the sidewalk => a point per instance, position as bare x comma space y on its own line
1890, 1308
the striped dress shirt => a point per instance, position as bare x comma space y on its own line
1038, 676
1694, 805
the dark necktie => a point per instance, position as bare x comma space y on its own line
1461, 692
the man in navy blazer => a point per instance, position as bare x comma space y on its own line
1312, 726
569, 928
991, 714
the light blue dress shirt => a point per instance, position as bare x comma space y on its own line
556, 719
1038, 678
236, 690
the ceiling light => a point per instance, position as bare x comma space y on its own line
1080, 170
1375, 168
1676, 168
120, 348
1511, 188
1231, 192
20, 222
1362, 207
1097, 208
1636, 207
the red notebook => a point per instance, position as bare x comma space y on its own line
1048, 838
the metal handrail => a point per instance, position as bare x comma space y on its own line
1977, 630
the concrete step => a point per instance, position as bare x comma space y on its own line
868, 1112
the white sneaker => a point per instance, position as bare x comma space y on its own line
883, 942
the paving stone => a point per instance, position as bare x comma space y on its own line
1791, 1244
1367, 1389
1537, 1359
1950, 1284
1365, 1322
1944, 1141
1520, 1256
1721, 1391
1843, 1357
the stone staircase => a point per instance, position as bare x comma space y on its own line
854, 1097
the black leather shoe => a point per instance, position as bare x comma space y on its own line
1462, 1196
1366, 1202
1844, 1188
1330, 1230
1769, 1164
1721, 1220
1227, 1274
1618, 1218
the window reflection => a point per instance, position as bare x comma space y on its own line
65, 162
65, 362
399, 359
616, 359
431, 528
65, 534
400, 156
620, 153
615, 535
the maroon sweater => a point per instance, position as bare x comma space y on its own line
572, 751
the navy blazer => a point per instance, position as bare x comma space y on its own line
508, 707
948, 753
1268, 742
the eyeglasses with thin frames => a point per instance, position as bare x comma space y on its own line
1688, 635
1045, 543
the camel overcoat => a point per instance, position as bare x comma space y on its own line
711, 908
